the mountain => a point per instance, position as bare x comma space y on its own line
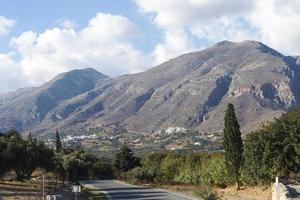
26, 108
189, 92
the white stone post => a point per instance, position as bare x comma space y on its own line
277, 189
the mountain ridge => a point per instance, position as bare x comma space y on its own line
187, 92
33, 103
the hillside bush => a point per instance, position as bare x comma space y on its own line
273, 150
174, 168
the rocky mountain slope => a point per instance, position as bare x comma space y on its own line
188, 92
26, 108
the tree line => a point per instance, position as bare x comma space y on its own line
24, 156
273, 150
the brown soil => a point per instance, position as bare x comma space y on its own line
246, 193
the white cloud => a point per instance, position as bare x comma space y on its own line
213, 20
176, 14
278, 22
274, 22
175, 43
105, 44
11, 73
5, 25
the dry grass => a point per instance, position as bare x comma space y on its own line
10, 190
229, 193
246, 193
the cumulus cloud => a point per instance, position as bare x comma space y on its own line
170, 14
11, 73
278, 24
5, 25
105, 44
175, 42
274, 22
182, 20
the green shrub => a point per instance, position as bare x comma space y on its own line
137, 175
190, 168
214, 172
170, 168
273, 150
254, 171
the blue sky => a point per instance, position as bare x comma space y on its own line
39, 39
40, 15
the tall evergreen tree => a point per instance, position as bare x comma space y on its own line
3, 155
233, 144
58, 145
125, 160
29, 137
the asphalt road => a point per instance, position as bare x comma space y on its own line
119, 191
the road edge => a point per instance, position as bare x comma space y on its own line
159, 189
87, 185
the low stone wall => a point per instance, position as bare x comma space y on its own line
281, 191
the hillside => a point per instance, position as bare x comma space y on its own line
26, 108
189, 92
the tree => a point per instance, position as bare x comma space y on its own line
125, 160
170, 168
59, 166
274, 150
3, 155
76, 164
12, 132
29, 137
255, 170
24, 156
58, 145
233, 144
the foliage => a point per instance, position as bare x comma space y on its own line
3, 155
125, 160
274, 150
77, 164
152, 165
214, 172
233, 144
24, 156
254, 171
170, 167
58, 144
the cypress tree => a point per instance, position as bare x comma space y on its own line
233, 144
58, 144
29, 137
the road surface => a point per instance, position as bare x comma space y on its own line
115, 190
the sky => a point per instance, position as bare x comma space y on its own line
40, 39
